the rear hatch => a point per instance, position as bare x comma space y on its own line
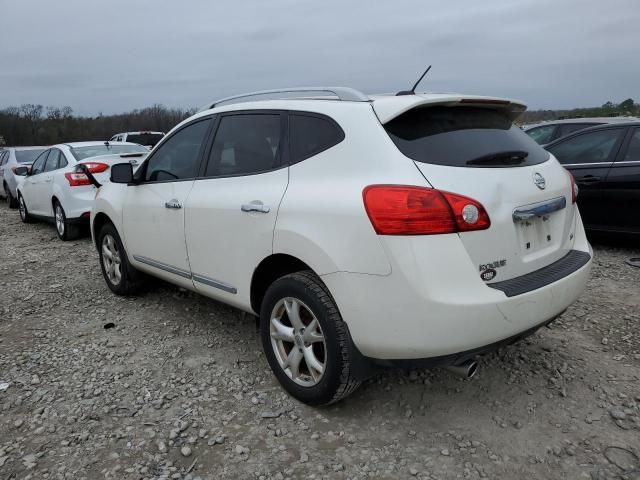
470, 146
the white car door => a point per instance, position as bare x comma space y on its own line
231, 211
33, 185
45, 187
153, 214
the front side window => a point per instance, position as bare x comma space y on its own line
245, 144
38, 165
310, 135
591, 147
542, 135
633, 151
178, 158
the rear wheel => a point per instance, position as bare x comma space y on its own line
24, 213
121, 277
65, 230
306, 341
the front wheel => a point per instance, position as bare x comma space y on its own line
306, 341
24, 213
121, 277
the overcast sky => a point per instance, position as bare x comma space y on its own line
115, 55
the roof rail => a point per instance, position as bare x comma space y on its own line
343, 93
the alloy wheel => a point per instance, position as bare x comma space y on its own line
23, 209
111, 259
59, 220
298, 342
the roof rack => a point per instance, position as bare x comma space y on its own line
343, 93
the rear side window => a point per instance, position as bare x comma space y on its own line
542, 134
53, 160
464, 137
28, 156
309, 135
591, 147
567, 128
245, 144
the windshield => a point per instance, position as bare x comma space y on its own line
145, 138
463, 137
28, 156
80, 153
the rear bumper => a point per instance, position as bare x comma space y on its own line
434, 303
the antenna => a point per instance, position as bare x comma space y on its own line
413, 90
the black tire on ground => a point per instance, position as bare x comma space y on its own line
130, 279
24, 213
337, 381
65, 230
13, 201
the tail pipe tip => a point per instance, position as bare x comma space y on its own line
466, 369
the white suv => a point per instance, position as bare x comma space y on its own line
418, 230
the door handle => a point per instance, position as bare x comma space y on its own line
173, 203
255, 206
588, 179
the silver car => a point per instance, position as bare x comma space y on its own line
10, 159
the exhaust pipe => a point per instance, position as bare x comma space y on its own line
466, 369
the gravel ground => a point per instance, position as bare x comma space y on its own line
179, 388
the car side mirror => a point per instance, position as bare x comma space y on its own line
122, 173
22, 171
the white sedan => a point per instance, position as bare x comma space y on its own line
55, 188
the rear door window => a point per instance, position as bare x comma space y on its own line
38, 165
463, 137
591, 147
310, 135
53, 160
245, 144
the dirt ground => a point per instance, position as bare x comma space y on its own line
179, 388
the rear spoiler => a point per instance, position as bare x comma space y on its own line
388, 108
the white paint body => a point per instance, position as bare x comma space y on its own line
402, 297
41, 190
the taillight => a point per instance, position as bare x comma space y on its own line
574, 188
77, 179
408, 210
96, 167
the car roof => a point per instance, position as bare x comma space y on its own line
604, 126
601, 120
386, 106
30, 147
89, 144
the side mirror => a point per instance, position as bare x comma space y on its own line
122, 173
22, 171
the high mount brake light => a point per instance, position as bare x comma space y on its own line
410, 210
574, 188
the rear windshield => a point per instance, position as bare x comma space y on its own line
28, 156
96, 150
145, 138
464, 137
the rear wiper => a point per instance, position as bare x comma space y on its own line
501, 159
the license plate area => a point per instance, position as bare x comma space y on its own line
539, 226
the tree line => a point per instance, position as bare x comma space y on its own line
31, 124
609, 109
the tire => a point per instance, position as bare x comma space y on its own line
64, 229
283, 342
24, 213
13, 201
129, 280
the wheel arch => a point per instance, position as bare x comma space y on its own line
268, 271
99, 221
